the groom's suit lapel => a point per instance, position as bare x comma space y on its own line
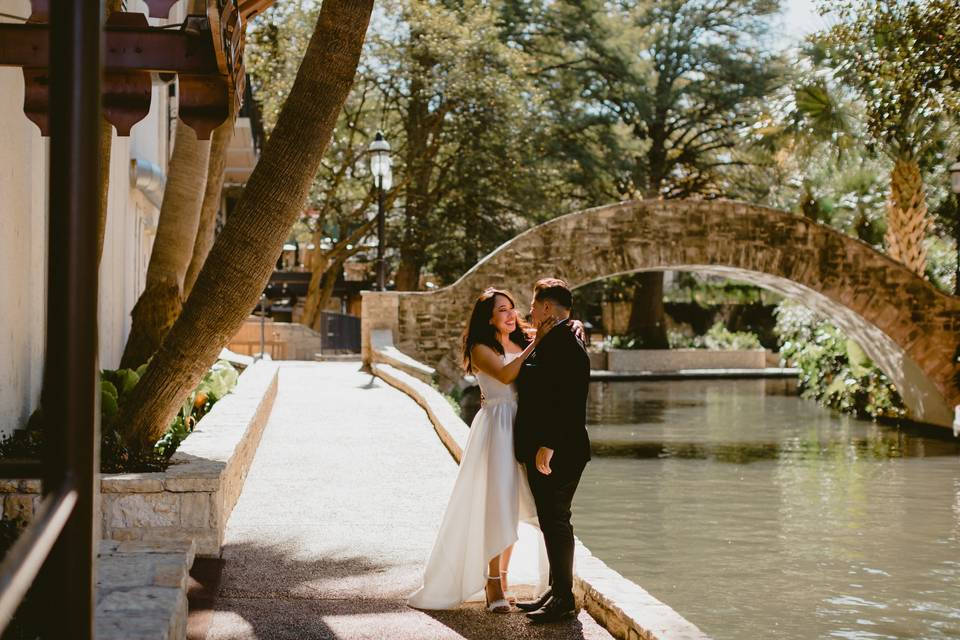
529, 367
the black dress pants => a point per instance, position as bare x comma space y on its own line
553, 495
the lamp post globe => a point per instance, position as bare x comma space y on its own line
380, 169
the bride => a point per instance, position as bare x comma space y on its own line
491, 496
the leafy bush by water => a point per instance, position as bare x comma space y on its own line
717, 338
834, 370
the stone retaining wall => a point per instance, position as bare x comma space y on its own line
193, 498
659, 360
142, 590
625, 609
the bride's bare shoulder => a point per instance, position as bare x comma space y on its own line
482, 351
479, 347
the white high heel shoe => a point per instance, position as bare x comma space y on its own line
497, 606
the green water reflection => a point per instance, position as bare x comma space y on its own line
760, 515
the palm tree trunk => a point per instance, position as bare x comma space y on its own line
219, 143
162, 298
243, 256
106, 144
907, 220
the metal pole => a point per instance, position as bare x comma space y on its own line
381, 223
70, 390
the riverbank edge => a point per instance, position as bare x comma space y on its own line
600, 375
623, 607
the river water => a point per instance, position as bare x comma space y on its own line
757, 514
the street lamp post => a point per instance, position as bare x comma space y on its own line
380, 168
955, 186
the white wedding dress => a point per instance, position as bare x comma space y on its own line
490, 508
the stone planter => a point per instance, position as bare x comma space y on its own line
193, 498
598, 360
663, 360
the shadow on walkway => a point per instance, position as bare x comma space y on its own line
267, 592
472, 622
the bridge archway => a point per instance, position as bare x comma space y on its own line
907, 326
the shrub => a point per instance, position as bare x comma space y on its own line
717, 338
115, 388
834, 369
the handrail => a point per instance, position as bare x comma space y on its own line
55, 554
26, 557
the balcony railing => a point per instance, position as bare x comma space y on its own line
56, 552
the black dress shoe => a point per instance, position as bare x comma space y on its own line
555, 610
536, 604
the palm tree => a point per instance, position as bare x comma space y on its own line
243, 256
891, 53
160, 303
219, 143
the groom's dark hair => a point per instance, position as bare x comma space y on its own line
555, 290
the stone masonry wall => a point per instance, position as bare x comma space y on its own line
906, 325
193, 498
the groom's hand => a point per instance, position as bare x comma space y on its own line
544, 456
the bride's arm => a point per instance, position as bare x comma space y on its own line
487, 360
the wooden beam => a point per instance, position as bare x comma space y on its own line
127, 49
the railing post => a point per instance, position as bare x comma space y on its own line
70, 394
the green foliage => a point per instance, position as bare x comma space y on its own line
941, 262
617, 288
115, 388
21, 443
717, 338
216, 383
834, 369
899, 57
653, 98
710, 291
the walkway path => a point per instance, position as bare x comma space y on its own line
337, 518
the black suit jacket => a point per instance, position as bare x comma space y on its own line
552, 403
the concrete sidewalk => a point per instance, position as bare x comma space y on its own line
337, 518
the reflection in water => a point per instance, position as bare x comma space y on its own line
760, 515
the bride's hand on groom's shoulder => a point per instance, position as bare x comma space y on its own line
577, 327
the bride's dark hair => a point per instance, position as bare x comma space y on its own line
480, 331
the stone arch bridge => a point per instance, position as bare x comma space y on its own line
908, 327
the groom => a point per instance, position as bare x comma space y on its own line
550, 438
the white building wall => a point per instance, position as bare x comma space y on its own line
22, 247
128, 238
